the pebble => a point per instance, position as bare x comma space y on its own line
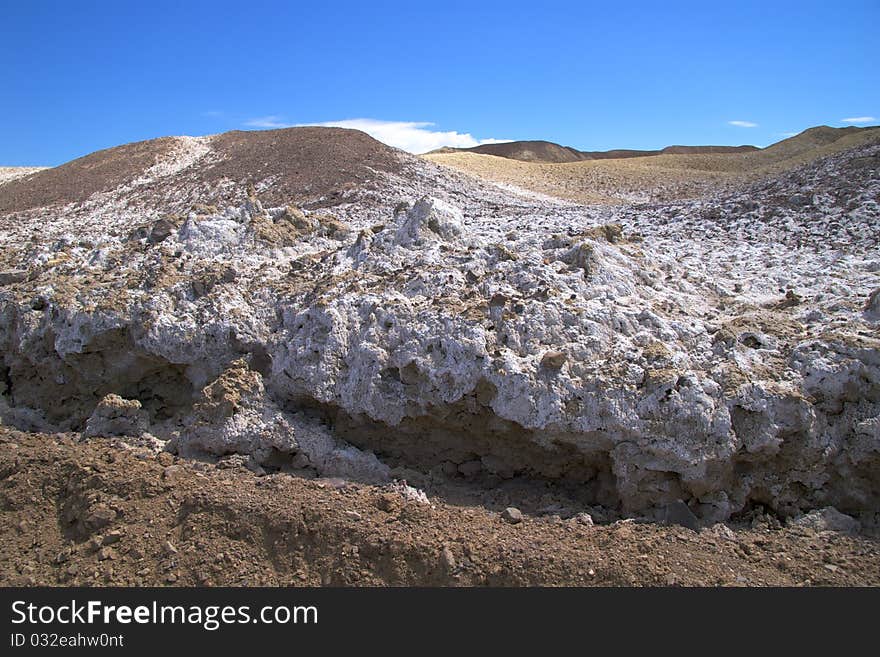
173, 473
99, 516
106, 553
512, 515
448, 558
678, 513
112, 537
387, 502
553, 360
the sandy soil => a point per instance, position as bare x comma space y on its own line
90, 513
655, 178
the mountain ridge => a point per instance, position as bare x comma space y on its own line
551, 152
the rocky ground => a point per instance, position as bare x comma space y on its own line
276, 307
96, 514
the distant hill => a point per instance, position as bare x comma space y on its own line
547, 151
628, 176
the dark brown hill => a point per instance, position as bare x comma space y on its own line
305, 163
78, 179
312, 164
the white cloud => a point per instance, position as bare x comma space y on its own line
743, 124
859, 119
412, 136
495, 141
272, 121
786, 134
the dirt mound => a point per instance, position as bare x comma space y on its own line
528, 151
90, 513
301, 164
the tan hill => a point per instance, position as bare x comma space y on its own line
298, 164
661, 177
547, 151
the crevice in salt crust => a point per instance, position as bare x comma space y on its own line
478, 334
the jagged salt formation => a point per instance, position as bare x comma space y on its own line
723, 352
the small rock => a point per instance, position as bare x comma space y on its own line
169, 548
387, 502
106, 553
171, 578
161, 230
831, 567
553, 360
173, 473
353, 515
584, 519
448, 558
512, 515
99, 516
679, 513
10, 276
112, 537
720, 530
165, 458
872, 305
828, 519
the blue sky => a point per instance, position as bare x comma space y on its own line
80, 76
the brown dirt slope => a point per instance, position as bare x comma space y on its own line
308, 162
92, 513
75, 181
299, 163
661, 177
